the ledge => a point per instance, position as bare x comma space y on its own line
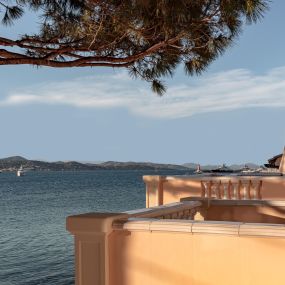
164, 209
202, 227
154, 178
172, 225
265, 230
228, 202
224, 178
137, 224
93, 222
213, 227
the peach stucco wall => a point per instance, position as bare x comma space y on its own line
164, 258
133, 248
164, 190
245, 214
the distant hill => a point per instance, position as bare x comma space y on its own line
14, 162
141, 165
13, 158
191, 165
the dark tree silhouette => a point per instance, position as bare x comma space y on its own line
148, 37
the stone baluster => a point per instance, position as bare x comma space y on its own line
259, 197
225, 190
208, 185
186, 214
234, 191
203, 189
256, 189
243, 190
247, 190
239, 191
216, 187
252, 191
208, 189
229, 192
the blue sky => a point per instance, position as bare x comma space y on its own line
233, 113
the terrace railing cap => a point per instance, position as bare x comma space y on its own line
211, 177
216, 227
93, 222
204, 227
256, 229
164, 209
229, 202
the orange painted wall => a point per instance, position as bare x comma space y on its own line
163, 258
246, 214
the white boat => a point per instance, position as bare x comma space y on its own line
198, 170
20, 171
222, 169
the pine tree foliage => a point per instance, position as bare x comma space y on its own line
148, 37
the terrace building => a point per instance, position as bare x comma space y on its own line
195, 230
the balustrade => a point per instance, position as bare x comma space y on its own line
187, 214
180, 211
231, 190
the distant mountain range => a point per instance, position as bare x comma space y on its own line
14, 162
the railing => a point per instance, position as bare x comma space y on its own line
161, 190
238, 190
182, 210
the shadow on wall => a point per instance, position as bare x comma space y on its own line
260, 211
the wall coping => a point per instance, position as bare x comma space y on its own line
203, 227
209, 177
103, 222
230, 202
233, 179
163, 209
93, 222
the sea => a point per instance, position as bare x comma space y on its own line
35, 248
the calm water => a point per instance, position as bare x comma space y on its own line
34, 245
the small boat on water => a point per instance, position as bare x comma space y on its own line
247, 169
20, 171
198, 170
222, 169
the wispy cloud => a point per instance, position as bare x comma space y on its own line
224, 91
